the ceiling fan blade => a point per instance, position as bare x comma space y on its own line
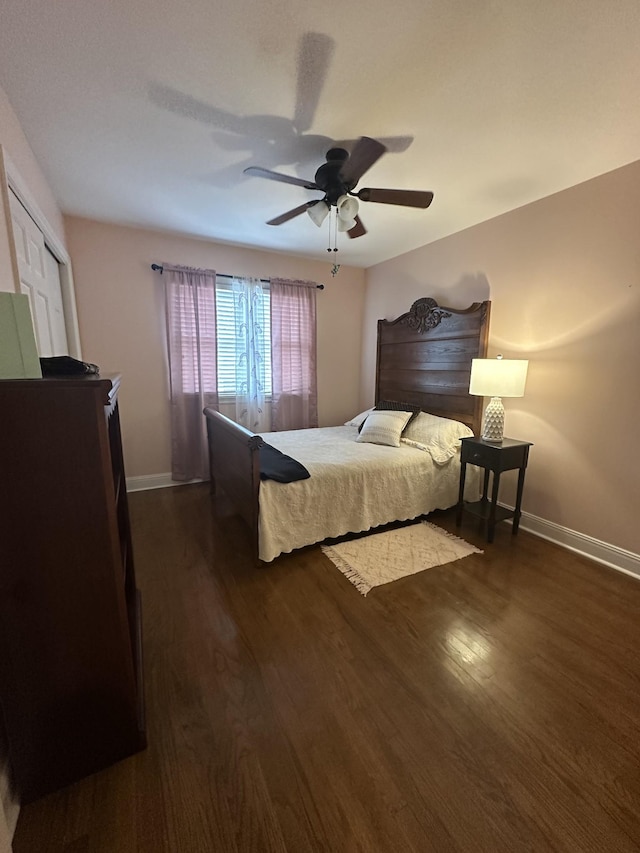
393, 144
291, 214
258, 172
314, 57
365, 153
407, 198
358, 229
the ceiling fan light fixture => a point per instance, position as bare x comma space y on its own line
348, 207
318, 213
336, 178
345, 224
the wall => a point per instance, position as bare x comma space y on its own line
121, 314
15, 146
563, 275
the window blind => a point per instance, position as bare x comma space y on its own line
226, 338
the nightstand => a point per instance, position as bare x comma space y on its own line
491, 456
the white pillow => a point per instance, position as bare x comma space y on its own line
384, 427
359, 419
438, 436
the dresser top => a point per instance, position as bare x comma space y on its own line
108, 384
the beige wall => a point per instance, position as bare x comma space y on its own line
121, 314
563, 275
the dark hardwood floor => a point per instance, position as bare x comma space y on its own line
487, 705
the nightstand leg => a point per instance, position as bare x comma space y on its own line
516, 515
463, 474
485, 487
494, 501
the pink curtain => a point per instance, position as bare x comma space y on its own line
293, 355
190, 299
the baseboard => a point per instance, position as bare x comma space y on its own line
587, 546
154, 481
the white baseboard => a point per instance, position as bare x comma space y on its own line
154, 481
587, 546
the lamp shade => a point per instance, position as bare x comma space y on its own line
498, 377
318, 212
345, 224
347, 208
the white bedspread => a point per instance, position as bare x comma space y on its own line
353, 486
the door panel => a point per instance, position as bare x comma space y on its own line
40, 280
56, 309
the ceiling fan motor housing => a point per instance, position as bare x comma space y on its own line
327, 178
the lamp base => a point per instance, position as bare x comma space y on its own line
493, 426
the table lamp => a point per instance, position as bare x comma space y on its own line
496, 378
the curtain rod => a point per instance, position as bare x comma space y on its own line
159, 268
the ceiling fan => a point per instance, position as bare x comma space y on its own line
337, 179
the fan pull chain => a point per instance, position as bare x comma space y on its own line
333, 218
336, 267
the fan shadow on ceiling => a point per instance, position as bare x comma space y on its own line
271, 140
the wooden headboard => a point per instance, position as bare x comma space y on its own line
424, 358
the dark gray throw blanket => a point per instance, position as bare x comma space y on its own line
275, 465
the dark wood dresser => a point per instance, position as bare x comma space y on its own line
71, 690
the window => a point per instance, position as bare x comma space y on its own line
226, 338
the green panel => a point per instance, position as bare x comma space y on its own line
18, 352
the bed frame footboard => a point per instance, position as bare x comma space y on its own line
234, 465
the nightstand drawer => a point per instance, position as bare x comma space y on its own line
494, 457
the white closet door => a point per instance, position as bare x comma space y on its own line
56, 310
40, 280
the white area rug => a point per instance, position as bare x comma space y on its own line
384, 557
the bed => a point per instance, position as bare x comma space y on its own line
424, 360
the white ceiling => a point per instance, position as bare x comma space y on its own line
146, 112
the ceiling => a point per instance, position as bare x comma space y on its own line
146, 112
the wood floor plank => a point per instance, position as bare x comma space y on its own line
486, 705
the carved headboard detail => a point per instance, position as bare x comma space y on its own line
424, 357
